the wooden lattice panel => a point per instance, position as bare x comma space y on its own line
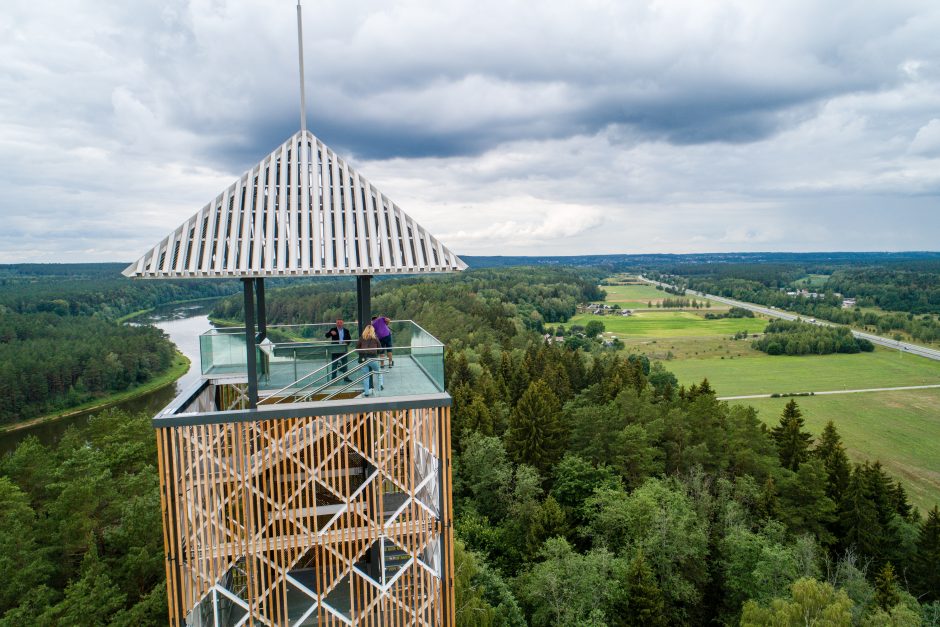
321, 520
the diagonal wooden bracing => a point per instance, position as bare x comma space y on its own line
327, 520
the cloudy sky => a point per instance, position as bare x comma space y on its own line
504, 127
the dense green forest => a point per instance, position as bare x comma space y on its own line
590, 489
93, 289
60, 345
81, 540
909, 291
783, 337
50, 362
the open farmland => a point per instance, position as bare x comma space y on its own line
763, 374
640, 296
664, 324
897, 428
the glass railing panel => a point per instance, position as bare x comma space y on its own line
302, 354
222, 352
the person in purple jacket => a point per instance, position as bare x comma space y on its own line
380, 324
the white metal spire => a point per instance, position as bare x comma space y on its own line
300, 55
300, 211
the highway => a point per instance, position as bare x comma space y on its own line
913, 349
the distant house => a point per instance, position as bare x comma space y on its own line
848, 303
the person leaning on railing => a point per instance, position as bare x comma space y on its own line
340, 338
384, 335
368, 347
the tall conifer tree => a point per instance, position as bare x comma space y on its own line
536, 434
927, 558
832, 453
646, 602
791, 440
859, 517
886, 588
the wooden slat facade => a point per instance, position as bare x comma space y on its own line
324, 520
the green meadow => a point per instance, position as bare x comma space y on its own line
666, 324
900, 429
642, 294
763, 374
639, 296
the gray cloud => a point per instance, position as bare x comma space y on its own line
613, 127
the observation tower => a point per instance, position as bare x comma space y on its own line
288, 497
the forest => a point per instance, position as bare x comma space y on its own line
50, 362
785, 337
61, 344
590, 489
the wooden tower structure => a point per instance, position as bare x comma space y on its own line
288, 497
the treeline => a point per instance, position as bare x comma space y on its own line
93, 289
910, 287
476, 306
734, 312
768, 286
682, 303
81, 539
50, 362
785, 337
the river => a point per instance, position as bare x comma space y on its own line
184, 324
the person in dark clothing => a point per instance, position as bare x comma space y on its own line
341, 338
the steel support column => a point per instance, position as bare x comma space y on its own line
364, 301
250, 345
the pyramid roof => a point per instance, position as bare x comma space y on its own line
301, 211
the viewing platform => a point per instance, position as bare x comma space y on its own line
298, 362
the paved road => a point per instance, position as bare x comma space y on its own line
914, 349
906, 387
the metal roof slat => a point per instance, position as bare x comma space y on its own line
218, 236
231, 224
374, 230
281, 223
335, 244
270, 214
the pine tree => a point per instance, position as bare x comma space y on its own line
460, 372
902, 506
859, 517
792, 442
832, 453
536, 434
646, 602
926, 567
886, 590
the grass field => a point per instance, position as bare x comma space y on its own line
642, 295
665, 349
811, 281
763, 374
666, 324
633, 293
898, 428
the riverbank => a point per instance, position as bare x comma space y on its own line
179, 367
144, 312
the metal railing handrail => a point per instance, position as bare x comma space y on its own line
309, 374
303, 393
